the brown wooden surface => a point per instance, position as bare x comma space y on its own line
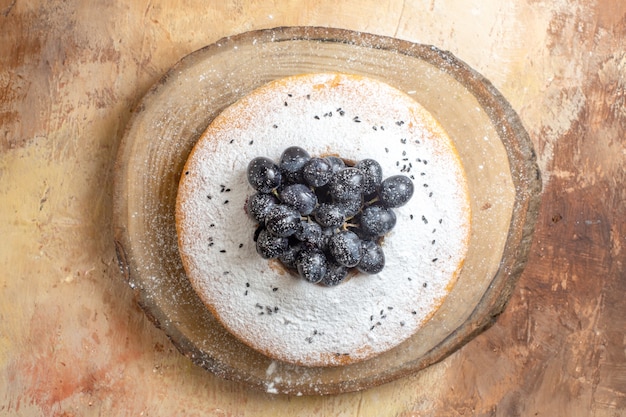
72, 341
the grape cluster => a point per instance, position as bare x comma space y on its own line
321, 216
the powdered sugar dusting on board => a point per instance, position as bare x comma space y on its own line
286, 317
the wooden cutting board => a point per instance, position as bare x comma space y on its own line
503, 181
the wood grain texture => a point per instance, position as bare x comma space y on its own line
500, 169
72, 341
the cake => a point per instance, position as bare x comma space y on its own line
260, 301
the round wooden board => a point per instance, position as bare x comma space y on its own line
497, 154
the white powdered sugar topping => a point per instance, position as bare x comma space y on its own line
276, 312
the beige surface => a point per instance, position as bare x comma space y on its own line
72, 341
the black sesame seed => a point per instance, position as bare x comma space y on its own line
411, 216
231, 141
400, 123
387, 150
209, 197
424, 219
435, 259
403, 141
247, 285
425, 185
223, 250
440, 220
286, 104
274, 289
372, 317
211, 244
316, 117
433, 242
430, 194
289, 95
245, 293
257, 305
225, 201
308, 96
275, 126
275, 309
212, 225
251, 142
389, 308
414, 312
356, 119
425, 285
412, 176
382, 128
402, 324
226, 272
372, 328
410, 279
374, 127
186, 172
403, 153
240, 245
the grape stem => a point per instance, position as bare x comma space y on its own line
346, 225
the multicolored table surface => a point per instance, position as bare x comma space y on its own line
74, 343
